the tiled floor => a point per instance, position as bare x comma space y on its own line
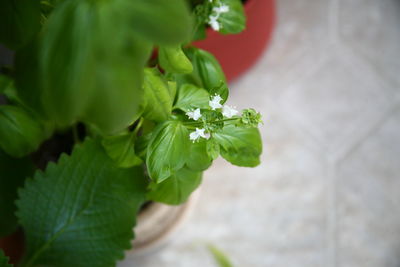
328, 190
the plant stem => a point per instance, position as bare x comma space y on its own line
200, 123
137, 128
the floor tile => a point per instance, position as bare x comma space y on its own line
372, 29
337, 103
369, 201
301, 30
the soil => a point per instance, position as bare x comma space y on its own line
59, 143
3, 100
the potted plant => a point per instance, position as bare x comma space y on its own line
94, 127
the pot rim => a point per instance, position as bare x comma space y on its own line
157, 224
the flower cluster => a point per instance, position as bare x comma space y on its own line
214, 16
215, 104
250, 118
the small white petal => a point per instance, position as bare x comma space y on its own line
194, 136
200, 132
207, 136
224, 8
197, 114
217, 98
229, 112
214, 102
190, 114
221, 9
214, 23
213, 17
216, 10
194, 114
214, 105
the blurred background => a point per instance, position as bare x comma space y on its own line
328, 190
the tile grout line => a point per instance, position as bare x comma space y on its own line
332, 218
332, 198
375, 127
334, 21
368, 66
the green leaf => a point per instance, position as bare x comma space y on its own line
173, 59
176, 189
141, 144
121, 148
4, 260
19, 20
233, 21
207, 73
172, 86
190, 97
13, 173
220, 258
7, 87
118, 90
212, 148
200, 33
5, 83
167, 150
20, 133
198, 158
240, 146
159, 21
27, 77
88, 75
11, 95
157, 96
80, 211
67, 61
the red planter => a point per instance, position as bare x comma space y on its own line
237, 53
13, 246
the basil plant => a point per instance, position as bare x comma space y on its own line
107, 106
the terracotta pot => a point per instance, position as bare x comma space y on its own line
157, 224
13, 246
238, 52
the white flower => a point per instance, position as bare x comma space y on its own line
213, 18
214, 23
194, 114
229, 112
214, 102
197, 134
221, 9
